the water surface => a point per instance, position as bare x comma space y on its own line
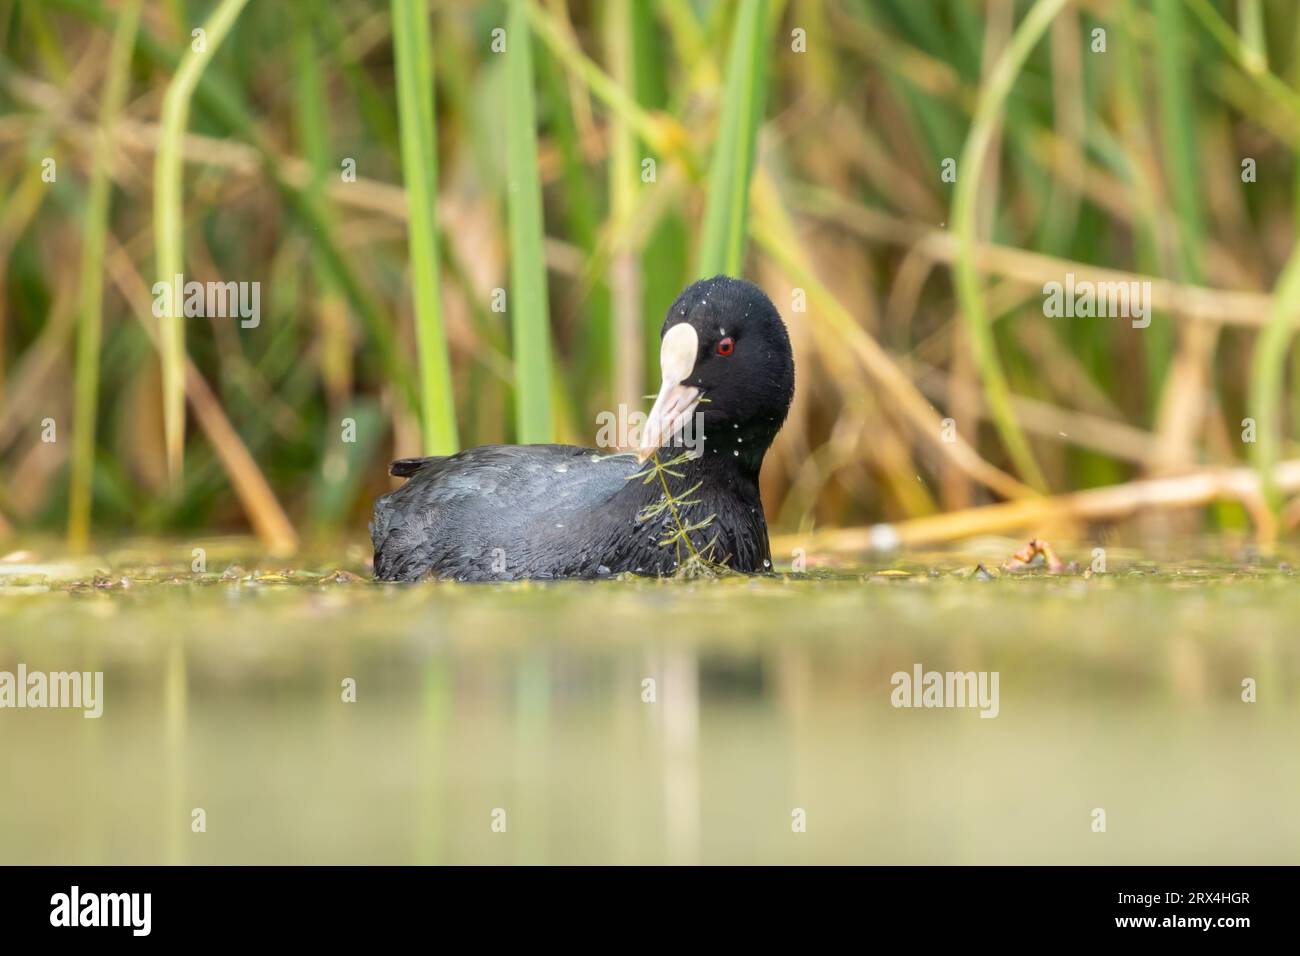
771, 703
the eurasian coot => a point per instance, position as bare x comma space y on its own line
504, 512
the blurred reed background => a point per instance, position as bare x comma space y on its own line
592, 159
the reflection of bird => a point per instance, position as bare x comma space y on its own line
502, 512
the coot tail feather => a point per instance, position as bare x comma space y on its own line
406, 467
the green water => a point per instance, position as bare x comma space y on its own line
1120, 691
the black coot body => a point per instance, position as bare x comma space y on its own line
506, 512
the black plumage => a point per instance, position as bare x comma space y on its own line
505, 512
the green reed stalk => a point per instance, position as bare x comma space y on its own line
625, 271
1267, 366
969, 289
529, 311
1178, 117
90, 314
1250, 19
414, 64
168, 226
744, 92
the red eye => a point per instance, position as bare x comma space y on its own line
726, 346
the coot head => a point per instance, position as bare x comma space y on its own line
725, 354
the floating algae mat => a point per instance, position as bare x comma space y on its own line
256, 713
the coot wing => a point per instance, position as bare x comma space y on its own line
494, 512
